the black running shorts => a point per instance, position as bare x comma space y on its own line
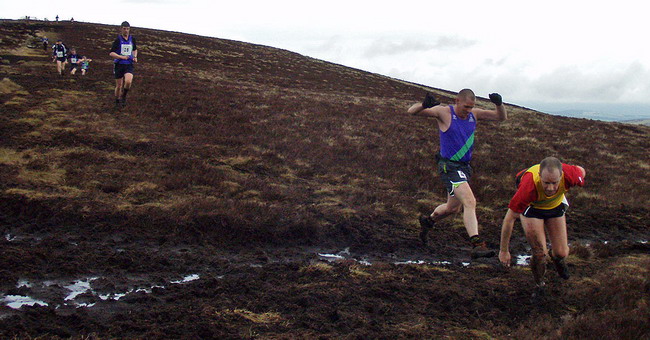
453, 174
119, 70
544, 214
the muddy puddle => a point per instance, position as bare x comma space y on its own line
83, 292
91, 290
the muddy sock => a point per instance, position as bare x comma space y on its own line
561, 267
538, 267
480, 248
124, 93
426, 222
475, 240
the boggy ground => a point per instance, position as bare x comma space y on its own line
247, 191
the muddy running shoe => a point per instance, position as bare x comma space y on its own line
123, 101
562, 268
426, 224
480, 249
118, 104
540, 290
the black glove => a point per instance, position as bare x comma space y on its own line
429, 101
496, 99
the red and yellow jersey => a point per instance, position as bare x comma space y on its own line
531, 193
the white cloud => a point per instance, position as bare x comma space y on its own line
383, 46
154, 2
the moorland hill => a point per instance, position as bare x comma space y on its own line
226, 145
229, 134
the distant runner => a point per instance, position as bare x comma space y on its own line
124, 52
85, 65
46, 43
60, 55
540, 204
456, 124
74, 58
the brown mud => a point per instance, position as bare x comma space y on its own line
250, 192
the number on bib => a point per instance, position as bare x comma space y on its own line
126, 49
59, 54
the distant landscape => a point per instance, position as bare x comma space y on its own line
638, 121
252, 192
629, 113
630, 118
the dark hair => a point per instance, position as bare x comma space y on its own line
550, 162
125, 24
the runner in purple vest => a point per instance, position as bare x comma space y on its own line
124, 52
457, 124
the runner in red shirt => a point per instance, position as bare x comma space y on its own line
540, 204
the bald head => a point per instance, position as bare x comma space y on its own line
466, 94
550, 163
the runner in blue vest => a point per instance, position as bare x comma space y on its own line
74, 58
60, 55
124, 52
456, 124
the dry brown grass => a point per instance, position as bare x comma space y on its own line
613, 304
288, 136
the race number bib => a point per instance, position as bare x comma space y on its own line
73, 60
126, 49
59, 54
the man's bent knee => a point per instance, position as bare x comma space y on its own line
453, 209
560, 252
537, 250
444, 212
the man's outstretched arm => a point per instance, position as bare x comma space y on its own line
499, 113
426, 108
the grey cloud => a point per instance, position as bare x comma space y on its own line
495, 63
389, 47
454, 42
570, 83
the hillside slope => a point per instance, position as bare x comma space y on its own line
231, 134
230, 152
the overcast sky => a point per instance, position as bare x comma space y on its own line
550, 55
